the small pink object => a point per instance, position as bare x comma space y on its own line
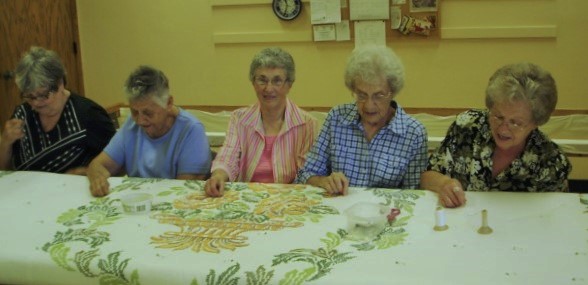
393, 213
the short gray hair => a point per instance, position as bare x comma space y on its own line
39, 68
145, 82
371, 64
524, 82
273, 57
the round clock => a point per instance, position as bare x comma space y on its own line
287, 9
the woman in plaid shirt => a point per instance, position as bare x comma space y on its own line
372, 142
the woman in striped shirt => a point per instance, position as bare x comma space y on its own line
266, 142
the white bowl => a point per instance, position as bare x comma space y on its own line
136, 203
366, 220
584, 199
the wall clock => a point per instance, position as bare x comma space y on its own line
287, 9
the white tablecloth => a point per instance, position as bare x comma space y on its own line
54, 232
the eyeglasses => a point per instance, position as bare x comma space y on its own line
512, 125
41, 97
377, 97
275, 82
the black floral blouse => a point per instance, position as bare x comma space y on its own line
466, 155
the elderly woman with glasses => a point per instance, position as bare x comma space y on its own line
501, 148
373, 142
158, 140
54, 130
265, 142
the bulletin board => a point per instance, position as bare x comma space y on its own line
418, 19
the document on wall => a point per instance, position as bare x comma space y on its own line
325, 11
370, 33
395, 17
369, 9
343, 31
324, 32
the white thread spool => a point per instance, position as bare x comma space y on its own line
440, 224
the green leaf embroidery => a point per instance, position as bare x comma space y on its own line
332, 240
112, 266
324, 210
83, 259
58, 253
226, 278
296, 278
260, 277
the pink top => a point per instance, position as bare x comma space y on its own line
245, 142
264, 172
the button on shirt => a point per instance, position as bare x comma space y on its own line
394, 158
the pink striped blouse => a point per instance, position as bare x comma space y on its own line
245, 141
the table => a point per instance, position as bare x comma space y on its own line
54, 232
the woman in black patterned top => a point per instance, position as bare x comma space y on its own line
55, 130
501, 148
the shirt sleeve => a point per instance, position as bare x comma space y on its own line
419, 162
116, 147
100, 128
311, 133
195, 154
229, 155
318, 160
441, 160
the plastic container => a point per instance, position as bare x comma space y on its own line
136, 203
366, 220
584, 199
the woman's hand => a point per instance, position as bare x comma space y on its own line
215, 185
98, 177
451, 194
13, 130
334, 184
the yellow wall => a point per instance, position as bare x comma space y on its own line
205, 46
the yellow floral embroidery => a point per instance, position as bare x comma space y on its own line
199, 200
215, 224
279, 206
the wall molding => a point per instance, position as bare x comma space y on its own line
262, 37
518, 32
217, 3
499, 32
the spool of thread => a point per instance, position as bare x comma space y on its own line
485, 229
440, 224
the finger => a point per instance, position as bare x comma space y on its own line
329, 185
345, 185
448, 202
221, 188
208, 189
457, 195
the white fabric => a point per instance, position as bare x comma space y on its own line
537, 239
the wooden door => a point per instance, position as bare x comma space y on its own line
51, 24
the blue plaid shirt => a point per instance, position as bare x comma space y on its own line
394, 158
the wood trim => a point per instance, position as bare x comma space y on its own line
433, 111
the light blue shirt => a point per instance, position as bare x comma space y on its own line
183, 149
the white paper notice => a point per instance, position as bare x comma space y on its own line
343, 31
324, 33
325, 11
395, 17
369, 9
370, 33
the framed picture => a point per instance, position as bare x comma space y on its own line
423, 5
